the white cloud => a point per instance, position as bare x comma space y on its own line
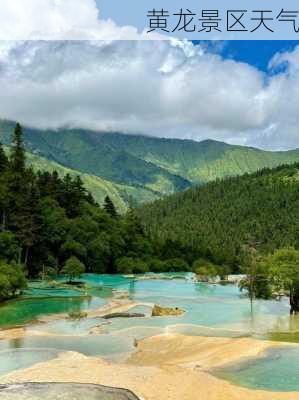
159, 88
60, 19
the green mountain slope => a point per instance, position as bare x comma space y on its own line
216, 219
99, 187
149, 167
85, 151
199, 162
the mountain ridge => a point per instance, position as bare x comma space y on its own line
152, 167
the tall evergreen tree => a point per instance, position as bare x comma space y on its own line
110, 207
17, 156
3, 188
32, 220
3, 160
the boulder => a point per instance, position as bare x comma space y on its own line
123, 315
77, 315
66, 391
159, 311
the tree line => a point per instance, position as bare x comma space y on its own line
216, 220
51, 224
218, 227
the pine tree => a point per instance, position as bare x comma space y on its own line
79, 187
3, 188
17, 156
134, 222
31, 220
110, 207
3, 160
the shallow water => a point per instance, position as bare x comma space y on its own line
92, 345
68, 326
13, 359
277, 370
18, 312
220, 309
41, 299
211, 310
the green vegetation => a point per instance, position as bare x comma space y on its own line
89, 153
141, 168
94, 184
204, 269
109, 207
256, 282
216, 220
77, 315
272, 275
50, 224
73, 268
48, 220
99, 187
283, 270
12, 280
128, 265
242, 223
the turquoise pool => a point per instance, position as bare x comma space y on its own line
13, 359
277, 370
211, 310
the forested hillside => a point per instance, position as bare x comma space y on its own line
51, 224
87, 152
144, 168
94, 184
216, 220
48, 221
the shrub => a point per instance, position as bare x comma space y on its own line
8, 246
157, 265
131, 265
176, 265
73, 268
12, 279
125, 265
140, 266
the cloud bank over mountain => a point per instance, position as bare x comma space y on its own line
168, 89
159, 88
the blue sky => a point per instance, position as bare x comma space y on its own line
254, 52
157, 88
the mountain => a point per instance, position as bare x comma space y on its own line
145, 168
87, 152
100, 188
215, 220
199, 162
